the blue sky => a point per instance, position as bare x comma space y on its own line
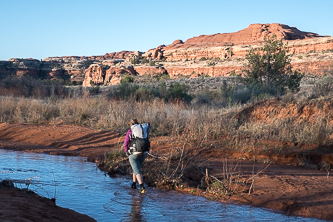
45, 28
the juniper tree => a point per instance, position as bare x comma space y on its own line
270, 66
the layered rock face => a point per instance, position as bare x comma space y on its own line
212, 55
20, 67
98, 74
225, 53
254, 33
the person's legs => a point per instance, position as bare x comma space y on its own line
134, 181
134, 165
136, 162
139, 178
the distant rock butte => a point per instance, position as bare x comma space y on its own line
254, 33
311, 53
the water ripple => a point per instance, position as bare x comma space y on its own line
80, 186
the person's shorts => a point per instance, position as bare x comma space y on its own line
136, 161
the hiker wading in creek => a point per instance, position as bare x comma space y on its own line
137, 146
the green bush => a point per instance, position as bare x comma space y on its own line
127, 79
271, 66
94, 90
162, 76
87, 63
176, 91
144, 60
211, 63
31, 87
202, 59
230, 95
179, 91
135, 61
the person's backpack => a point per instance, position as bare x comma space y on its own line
140, 138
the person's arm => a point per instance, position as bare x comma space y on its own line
127, 140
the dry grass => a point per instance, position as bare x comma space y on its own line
100, 113
181, 121
189, 127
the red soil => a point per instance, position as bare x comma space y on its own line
291, 189
16, 205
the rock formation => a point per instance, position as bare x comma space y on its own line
213, 55
254, 33
94, 74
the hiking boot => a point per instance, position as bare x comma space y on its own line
142, 190
133, 185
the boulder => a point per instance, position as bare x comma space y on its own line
178, 41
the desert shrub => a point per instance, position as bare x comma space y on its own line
203, 59
271, 66
87, 63
207, 97
289, 129
143, 93
211, 63
198, 119
144, 60
127, 91
162, 76
152, 63
233, 73
135, 61
244, 93
133, 91
179, 91
94, 90
124, 91
30, 87
127, 79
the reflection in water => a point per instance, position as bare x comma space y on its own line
80, 186
135, 214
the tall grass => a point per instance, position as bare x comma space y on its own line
210, 118
101, 113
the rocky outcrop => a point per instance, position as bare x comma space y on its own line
20, 67
107, 56
178, 41
236, 44
150, 70
113, 74
94, 75
98, 75
205, 55
154, 53
254, 33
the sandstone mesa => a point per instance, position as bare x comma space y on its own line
310, 53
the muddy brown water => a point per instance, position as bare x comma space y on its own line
81, 186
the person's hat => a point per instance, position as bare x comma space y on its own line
133, 121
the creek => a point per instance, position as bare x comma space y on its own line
81, 186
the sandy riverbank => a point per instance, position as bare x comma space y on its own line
293, 190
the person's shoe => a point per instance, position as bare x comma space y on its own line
133, 185
142, 190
